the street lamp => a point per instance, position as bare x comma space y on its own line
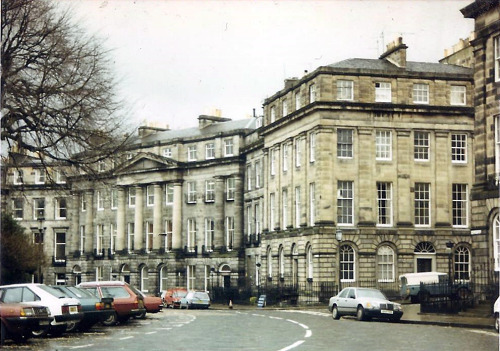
257, 278
338, 236
212, 271
39, 243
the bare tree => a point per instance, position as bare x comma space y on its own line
57, 89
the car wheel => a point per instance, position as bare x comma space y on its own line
40, 332
71, 327
335, 313
141, 316
360, 313
110, 320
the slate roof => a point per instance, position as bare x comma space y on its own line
411, 67
230, 127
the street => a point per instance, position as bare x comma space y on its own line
273, 330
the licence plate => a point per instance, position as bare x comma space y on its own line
73, 309
386, 312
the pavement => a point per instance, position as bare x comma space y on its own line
476, 318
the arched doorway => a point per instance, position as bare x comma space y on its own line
425, 257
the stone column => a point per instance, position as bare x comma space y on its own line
89, 222
74, 232
219, 213
157, 217
138, 219
366, 168
177, 217
121, 237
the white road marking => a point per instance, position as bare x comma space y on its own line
279, 318
81, 346
308, 333
151, 332
127, 337
292, 346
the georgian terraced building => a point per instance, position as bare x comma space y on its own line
378, 150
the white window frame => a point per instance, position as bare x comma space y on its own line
497, 148
345, 90
82, 239
284, 207
18, 177
100, 200
57, 246
229, 233
191, 237
169, 194
347, 260
191, 277
345, 143
345, 203
192, 153
421, 146
460, 205
284, 107
386, 264
210, 151
281, 262
257, 218
150, 195
383, 145
113, 235
167, 152
209, 234
149, 236
458, 148
269, 263
191, 198
18, 208
230, 188
59, 208
312, 93
297, 101
131, 197
312, 204
250, 219
309, 262
384, 204
209, 190
99, 239
496, 47
496, 241
37, 209
273, 114
462, 263
40, 176
272, 211
169, 231
298, 152
114, 199
83, 202
420, 93
272, 157
228, 147
258, 175
285, 157
249, 176
422, 205
60, 177
458, 95
130, 236
312, 147
383, 92
144, 278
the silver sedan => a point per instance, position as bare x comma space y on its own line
364, 303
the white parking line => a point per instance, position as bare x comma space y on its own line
308, 333
279, 318
151, 332
292, 346
127, 337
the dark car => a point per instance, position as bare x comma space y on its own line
95, 309
18, 320
127, 303
364, 303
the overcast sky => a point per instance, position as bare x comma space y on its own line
177, 60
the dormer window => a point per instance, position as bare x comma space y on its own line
39, 176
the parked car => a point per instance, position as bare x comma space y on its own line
65, 310
18, 320
435, 284
364, 303
172, 297
496, 312
127, 303
95, 309
152, 304
195, 299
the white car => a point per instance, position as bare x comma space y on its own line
496, 312
195, 299
65, 310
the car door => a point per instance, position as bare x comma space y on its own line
342, 303
351, 302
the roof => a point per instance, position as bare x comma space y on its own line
411, 67
229, 127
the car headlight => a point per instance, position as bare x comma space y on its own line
372, 305
397, 307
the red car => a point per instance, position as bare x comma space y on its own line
126, 301
18, 320
153, 304
172, 297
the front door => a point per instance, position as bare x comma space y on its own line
424, 265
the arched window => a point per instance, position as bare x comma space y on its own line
163, 275
462, 263
269, 263
347, 264
125, 273
281, 262
309, 263
385, 264
144, 275
496, 242
77, 273
295, 264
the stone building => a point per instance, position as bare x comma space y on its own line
378, 150
485, 223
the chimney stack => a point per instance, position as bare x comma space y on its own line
396, 53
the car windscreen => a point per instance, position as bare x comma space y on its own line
52, 291
80, 293
371, 293
114, 291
